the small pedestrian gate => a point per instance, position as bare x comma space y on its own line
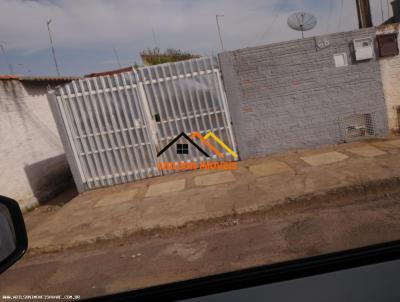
113, 126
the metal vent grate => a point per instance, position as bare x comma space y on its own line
357, 126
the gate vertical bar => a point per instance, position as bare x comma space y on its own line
115, 142
191, 100
81, 137
227, 113
130, 127
173, 84
224, 125
169, 96
114, 163
216, 112
93, 133
122, 144
158, 108
101, 128
60, 118
88, 131
145, 110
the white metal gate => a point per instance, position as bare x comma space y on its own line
113, 126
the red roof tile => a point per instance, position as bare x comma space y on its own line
111, 72
36, 78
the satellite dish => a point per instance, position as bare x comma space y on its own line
302, 21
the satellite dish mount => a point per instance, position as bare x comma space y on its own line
302, 21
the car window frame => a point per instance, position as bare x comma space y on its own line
21, 238
262, 275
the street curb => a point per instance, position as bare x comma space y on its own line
344, 195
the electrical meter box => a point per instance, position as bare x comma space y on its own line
363, 49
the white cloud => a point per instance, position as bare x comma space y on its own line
185, 24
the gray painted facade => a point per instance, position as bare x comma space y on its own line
290, 95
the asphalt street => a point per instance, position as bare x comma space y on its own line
293, 231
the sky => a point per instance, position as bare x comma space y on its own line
86, 32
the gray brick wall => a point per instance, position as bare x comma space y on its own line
290, 95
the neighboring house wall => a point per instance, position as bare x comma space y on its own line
32, 162
396, 10
390, 73
290, 95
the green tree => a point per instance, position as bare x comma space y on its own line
155, 56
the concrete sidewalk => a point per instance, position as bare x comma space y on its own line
174, 201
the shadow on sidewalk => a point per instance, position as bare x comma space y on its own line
49, 179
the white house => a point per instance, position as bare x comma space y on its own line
32, 162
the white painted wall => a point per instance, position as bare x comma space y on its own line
390, 74
32, 162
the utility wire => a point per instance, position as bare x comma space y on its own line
246, 17
277, 14
219, 31
330, 16
117, 57
154, 37
340, 16
6, 59
52, 47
